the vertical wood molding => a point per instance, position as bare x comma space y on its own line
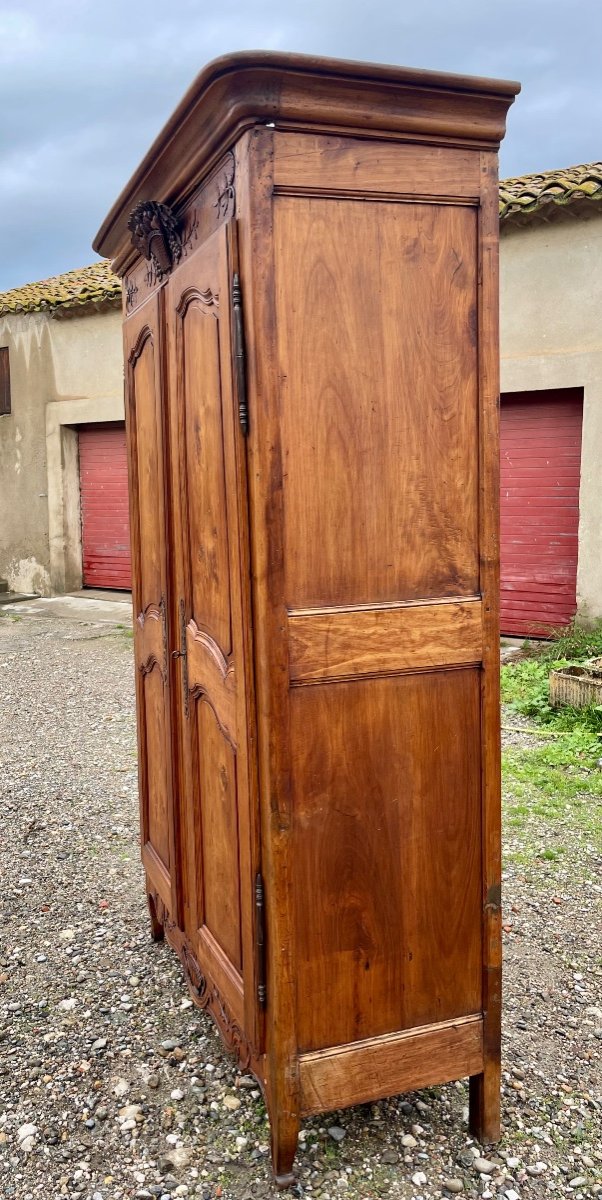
484, 1107
271, 643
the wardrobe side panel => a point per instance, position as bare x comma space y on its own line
376, 306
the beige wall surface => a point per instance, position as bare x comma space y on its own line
63, 372
551, 337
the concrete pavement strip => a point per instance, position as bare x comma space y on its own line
115, 609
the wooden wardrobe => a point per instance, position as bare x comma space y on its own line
309, 261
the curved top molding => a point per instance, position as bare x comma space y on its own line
303, 92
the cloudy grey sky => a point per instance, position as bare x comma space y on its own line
86, 84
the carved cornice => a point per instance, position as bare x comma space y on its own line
247, 90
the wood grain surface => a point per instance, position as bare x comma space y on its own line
378, 641
387, 854
399, 1062
270, 643
378, 392
207, 517
303, 162
485, 1086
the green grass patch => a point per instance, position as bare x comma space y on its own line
549, 776
525, 686
553, 790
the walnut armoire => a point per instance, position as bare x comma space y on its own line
309, 260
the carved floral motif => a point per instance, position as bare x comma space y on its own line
204, 992
131, 291
156, 237
190, 234
162, 240
225, 189
158, 916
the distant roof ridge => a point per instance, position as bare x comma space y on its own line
523, 194
84, 285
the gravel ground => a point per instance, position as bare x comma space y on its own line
113, 1086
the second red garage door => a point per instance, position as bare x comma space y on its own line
103, 476
540, 471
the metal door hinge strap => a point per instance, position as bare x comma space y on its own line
260, 934
183, 654
239, 354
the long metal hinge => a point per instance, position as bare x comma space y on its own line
239, 354
183, 654
260, 936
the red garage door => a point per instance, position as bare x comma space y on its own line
540, 468
104, 506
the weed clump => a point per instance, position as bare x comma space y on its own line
525, 683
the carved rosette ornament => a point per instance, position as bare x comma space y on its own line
155, 235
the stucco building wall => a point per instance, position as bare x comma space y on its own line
64, 371
551, 337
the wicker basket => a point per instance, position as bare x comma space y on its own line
577, 686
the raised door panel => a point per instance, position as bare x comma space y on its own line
387, 854
207, 517
208, 465
145, 418
219, 834
379, 425
377, 358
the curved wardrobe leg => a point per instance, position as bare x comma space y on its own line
285, 1135
155, 910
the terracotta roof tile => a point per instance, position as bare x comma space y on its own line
531, 193
88, 285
